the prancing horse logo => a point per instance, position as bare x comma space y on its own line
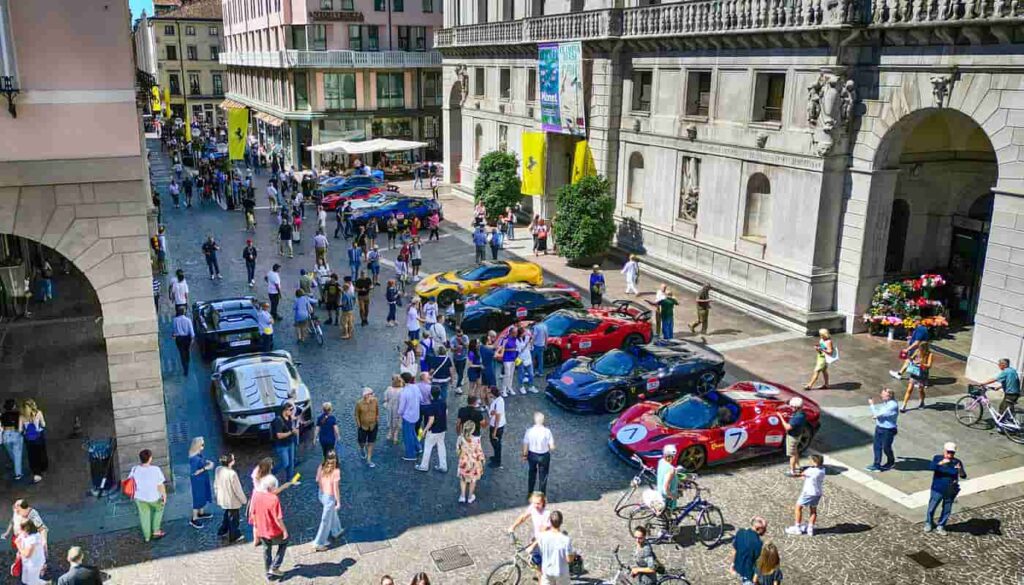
532, 162
238, 134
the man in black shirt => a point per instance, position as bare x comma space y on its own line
249, 254
794, 429
284, 231
363, 286
284, 433
332, 295
339, 218
470, 413
436, 424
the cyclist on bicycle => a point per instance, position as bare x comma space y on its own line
539, 517
668, 478
1009, 380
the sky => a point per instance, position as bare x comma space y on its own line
138, 6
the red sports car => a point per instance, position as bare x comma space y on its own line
741, 421
333, 200
575, 332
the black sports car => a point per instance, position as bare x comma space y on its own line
226, 326
503, 306
660, 371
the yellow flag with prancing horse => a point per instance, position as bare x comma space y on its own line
534, 146
582, 162
238, 129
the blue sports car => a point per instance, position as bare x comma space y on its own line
401, 207
660, 371
339, 184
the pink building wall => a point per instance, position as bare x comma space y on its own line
84, 56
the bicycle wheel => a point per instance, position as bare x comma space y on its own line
1014, 429
710, 526
673, 580
506, 573
623, 504
319, 332
637, 515
968, 411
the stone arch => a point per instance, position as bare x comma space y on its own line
102, 229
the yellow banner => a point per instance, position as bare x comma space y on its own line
167, 102
188, 125
582, 162
238, 129
534, 147
156, 99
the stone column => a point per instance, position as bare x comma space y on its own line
604, 116
999, 321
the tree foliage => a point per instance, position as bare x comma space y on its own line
497, 184
584, 223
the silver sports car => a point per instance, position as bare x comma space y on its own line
251, 389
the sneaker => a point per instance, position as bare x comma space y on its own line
250, 284
462, 499
219, 277
275, 572
873, 468
458, 389
195, 525
503, 395
471, 499
371, 464
941, 530
810, 530
202, 516
928, 528
533, 390
439, 468
212, 277
241, 537
424, 469
895, 374
522, 390
794, 530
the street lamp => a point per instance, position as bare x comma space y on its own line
8, 89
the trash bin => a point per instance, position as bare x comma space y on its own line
101, 465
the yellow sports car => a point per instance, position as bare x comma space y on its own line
478, 279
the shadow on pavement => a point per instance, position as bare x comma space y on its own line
842, 528
912, 464
324, 569
978, 527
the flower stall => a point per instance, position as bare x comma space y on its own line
895, 304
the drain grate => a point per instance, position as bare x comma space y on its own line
177, 432
925, 559
368, 539
366, 548
451, 558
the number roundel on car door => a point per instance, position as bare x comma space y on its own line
631, 433
735, 438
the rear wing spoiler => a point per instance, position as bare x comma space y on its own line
632, 309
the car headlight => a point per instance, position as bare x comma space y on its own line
649, 454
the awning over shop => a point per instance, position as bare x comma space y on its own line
367, 146
231, 105
273, 121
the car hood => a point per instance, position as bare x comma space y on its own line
264, 390
579, 381
447, 279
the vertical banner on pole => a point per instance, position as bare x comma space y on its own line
561, 88
534, 146
238, 132
583, 162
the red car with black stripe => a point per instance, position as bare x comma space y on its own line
587, 332
738, 422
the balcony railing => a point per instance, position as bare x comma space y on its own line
910, 12
334, 59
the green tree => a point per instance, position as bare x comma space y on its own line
584, 223
497, 185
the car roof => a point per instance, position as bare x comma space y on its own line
676, 350
230, 304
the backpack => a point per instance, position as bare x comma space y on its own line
33, 432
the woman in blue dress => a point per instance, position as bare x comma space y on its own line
199, 476
487, 362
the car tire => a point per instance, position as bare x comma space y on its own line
446, 297
615, 401
706, 382
692, 458
552, 356
631, 340
804, 441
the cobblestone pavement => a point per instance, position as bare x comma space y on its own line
395, 517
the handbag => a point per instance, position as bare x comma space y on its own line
128, 485
833, 357
913, 369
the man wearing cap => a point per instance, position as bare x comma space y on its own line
266, 324
947, 471
668, 481
794, 429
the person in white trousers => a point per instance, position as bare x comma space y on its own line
632, 272
435, 427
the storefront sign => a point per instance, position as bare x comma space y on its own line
561, 88
336, 16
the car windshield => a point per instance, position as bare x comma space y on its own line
614, 363
498, 298
691, 412
559, 324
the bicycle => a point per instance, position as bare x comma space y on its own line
623, 575
511, 572
647, 477
709, 522
315, 329
970, 410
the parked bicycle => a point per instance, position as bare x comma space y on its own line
521, 569
971, 409
664, 524
647, 477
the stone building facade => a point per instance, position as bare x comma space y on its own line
792, 154
73, 179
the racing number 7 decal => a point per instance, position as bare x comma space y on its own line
735, 438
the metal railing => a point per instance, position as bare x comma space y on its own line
334, 59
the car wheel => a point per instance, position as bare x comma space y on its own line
805, 439
446, 297
631, 340
552, 356
692, 458
615, 400
707, 382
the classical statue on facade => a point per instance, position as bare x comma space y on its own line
814, 102
941, 84
829, 102
462, 74
849, 99
689, 192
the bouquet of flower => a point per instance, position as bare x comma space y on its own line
932, 280
936, 321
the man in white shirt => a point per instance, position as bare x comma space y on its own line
438, 331
273, 279
179, 290
430, 312
556, 552
538, 443
272, 197
496, 422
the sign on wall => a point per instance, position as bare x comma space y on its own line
336, 16
560, 68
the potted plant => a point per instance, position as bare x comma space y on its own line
584, 220
497, 183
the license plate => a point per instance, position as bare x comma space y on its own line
240, 342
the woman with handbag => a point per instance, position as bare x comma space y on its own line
35, 439
826, 354
145, 485
597, 286
919, 365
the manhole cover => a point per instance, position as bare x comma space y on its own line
368, 539
366, 548
451, 558
925, 559
177, 432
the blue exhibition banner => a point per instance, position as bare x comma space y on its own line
561, 88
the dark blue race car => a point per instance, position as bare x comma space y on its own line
503, 306
340, 184
226, 326
402, 207
660, 371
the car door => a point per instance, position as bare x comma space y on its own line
606, 337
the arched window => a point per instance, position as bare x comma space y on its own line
478, 143
899, 222
759, 208
635, 180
